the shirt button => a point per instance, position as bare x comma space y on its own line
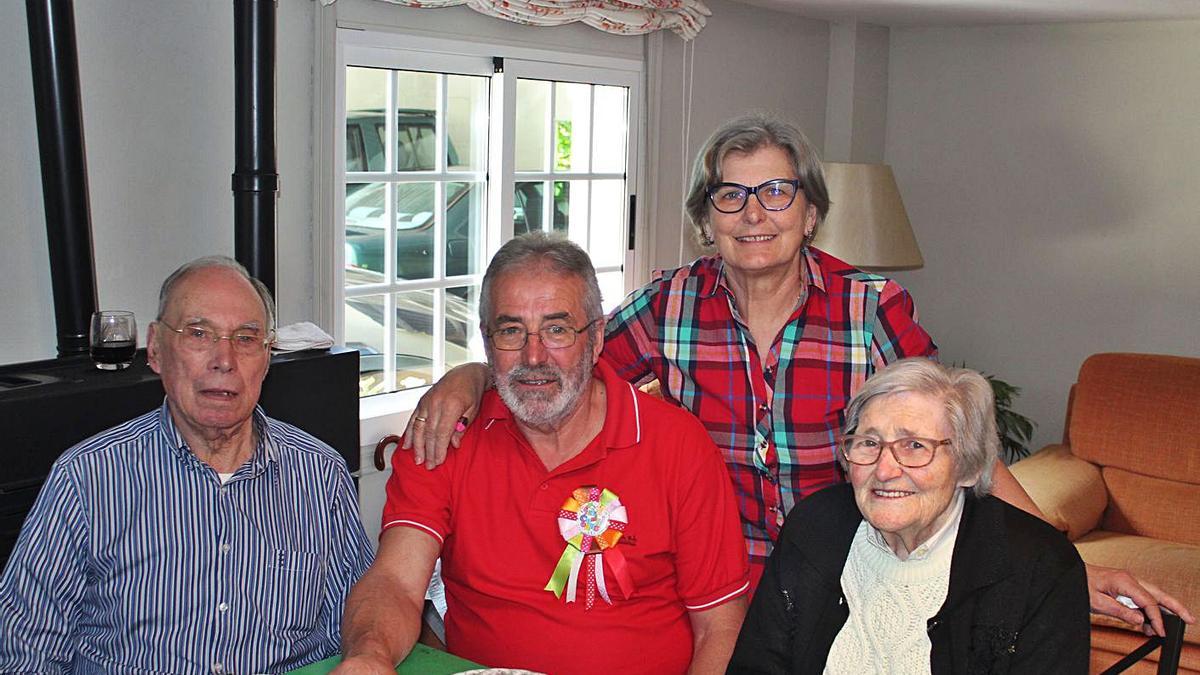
225, 548
545, 486
223, 607
218, 668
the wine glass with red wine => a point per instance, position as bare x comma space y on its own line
113, 339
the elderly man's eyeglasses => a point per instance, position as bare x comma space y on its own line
774, 195
910, 451
553, 336
199, 338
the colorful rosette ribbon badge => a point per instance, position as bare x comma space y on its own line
591, 520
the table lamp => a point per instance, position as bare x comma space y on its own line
867, 225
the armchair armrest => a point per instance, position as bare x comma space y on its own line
1069, 490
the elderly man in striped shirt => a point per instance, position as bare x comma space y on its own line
202, 536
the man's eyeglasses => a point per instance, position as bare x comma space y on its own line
198, 338
910, 451
774, 195
553, 336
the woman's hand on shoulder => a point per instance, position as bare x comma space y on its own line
444, 412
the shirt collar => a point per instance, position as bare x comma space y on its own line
944, 536
265, 454
810, 273
622, 415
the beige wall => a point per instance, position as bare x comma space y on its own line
1052, 175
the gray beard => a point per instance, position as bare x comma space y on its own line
539, 409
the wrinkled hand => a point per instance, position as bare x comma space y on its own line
1106, 583
363, 665
438, 422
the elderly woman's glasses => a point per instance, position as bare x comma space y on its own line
552, 335
910, 451
199, 338
774, 195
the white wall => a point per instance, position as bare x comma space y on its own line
1052, 177
24, 262
157, 90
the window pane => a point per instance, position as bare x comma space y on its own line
416, 141
571, 207
464, 227
611, 129
414, 339
365, 222
366, 99
463, 341
414, 230
612, 289
607, 241
533, 110
364, 332
356, 152
466, 122
527, 207
562, 201
572, 126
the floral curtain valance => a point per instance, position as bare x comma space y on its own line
622, 17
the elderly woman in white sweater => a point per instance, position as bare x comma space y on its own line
913, 567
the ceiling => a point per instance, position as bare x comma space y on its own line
980, 12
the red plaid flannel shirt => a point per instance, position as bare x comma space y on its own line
774, 413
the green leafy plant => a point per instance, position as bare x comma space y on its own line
1015, 429
562, 145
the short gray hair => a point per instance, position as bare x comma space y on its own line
967, 399
218, 261
747, 134
538, 249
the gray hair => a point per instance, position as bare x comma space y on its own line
538, 249
217, 261
747, 134
967, 399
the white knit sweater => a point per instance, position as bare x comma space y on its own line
890, 600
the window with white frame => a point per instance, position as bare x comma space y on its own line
446, 156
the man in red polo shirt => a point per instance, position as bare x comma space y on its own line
581, 524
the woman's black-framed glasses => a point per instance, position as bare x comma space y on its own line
554, 335
774, 195
911, 451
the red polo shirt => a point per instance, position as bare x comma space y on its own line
494, 508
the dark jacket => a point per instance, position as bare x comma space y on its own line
1017, 602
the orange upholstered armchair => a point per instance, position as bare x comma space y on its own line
1125, 484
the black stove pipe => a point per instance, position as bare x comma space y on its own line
255, 181
55, 66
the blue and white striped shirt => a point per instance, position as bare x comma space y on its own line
136, 558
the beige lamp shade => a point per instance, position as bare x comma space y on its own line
867, 225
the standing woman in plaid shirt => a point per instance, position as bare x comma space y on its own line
765, 341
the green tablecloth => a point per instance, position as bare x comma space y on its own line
422, 661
